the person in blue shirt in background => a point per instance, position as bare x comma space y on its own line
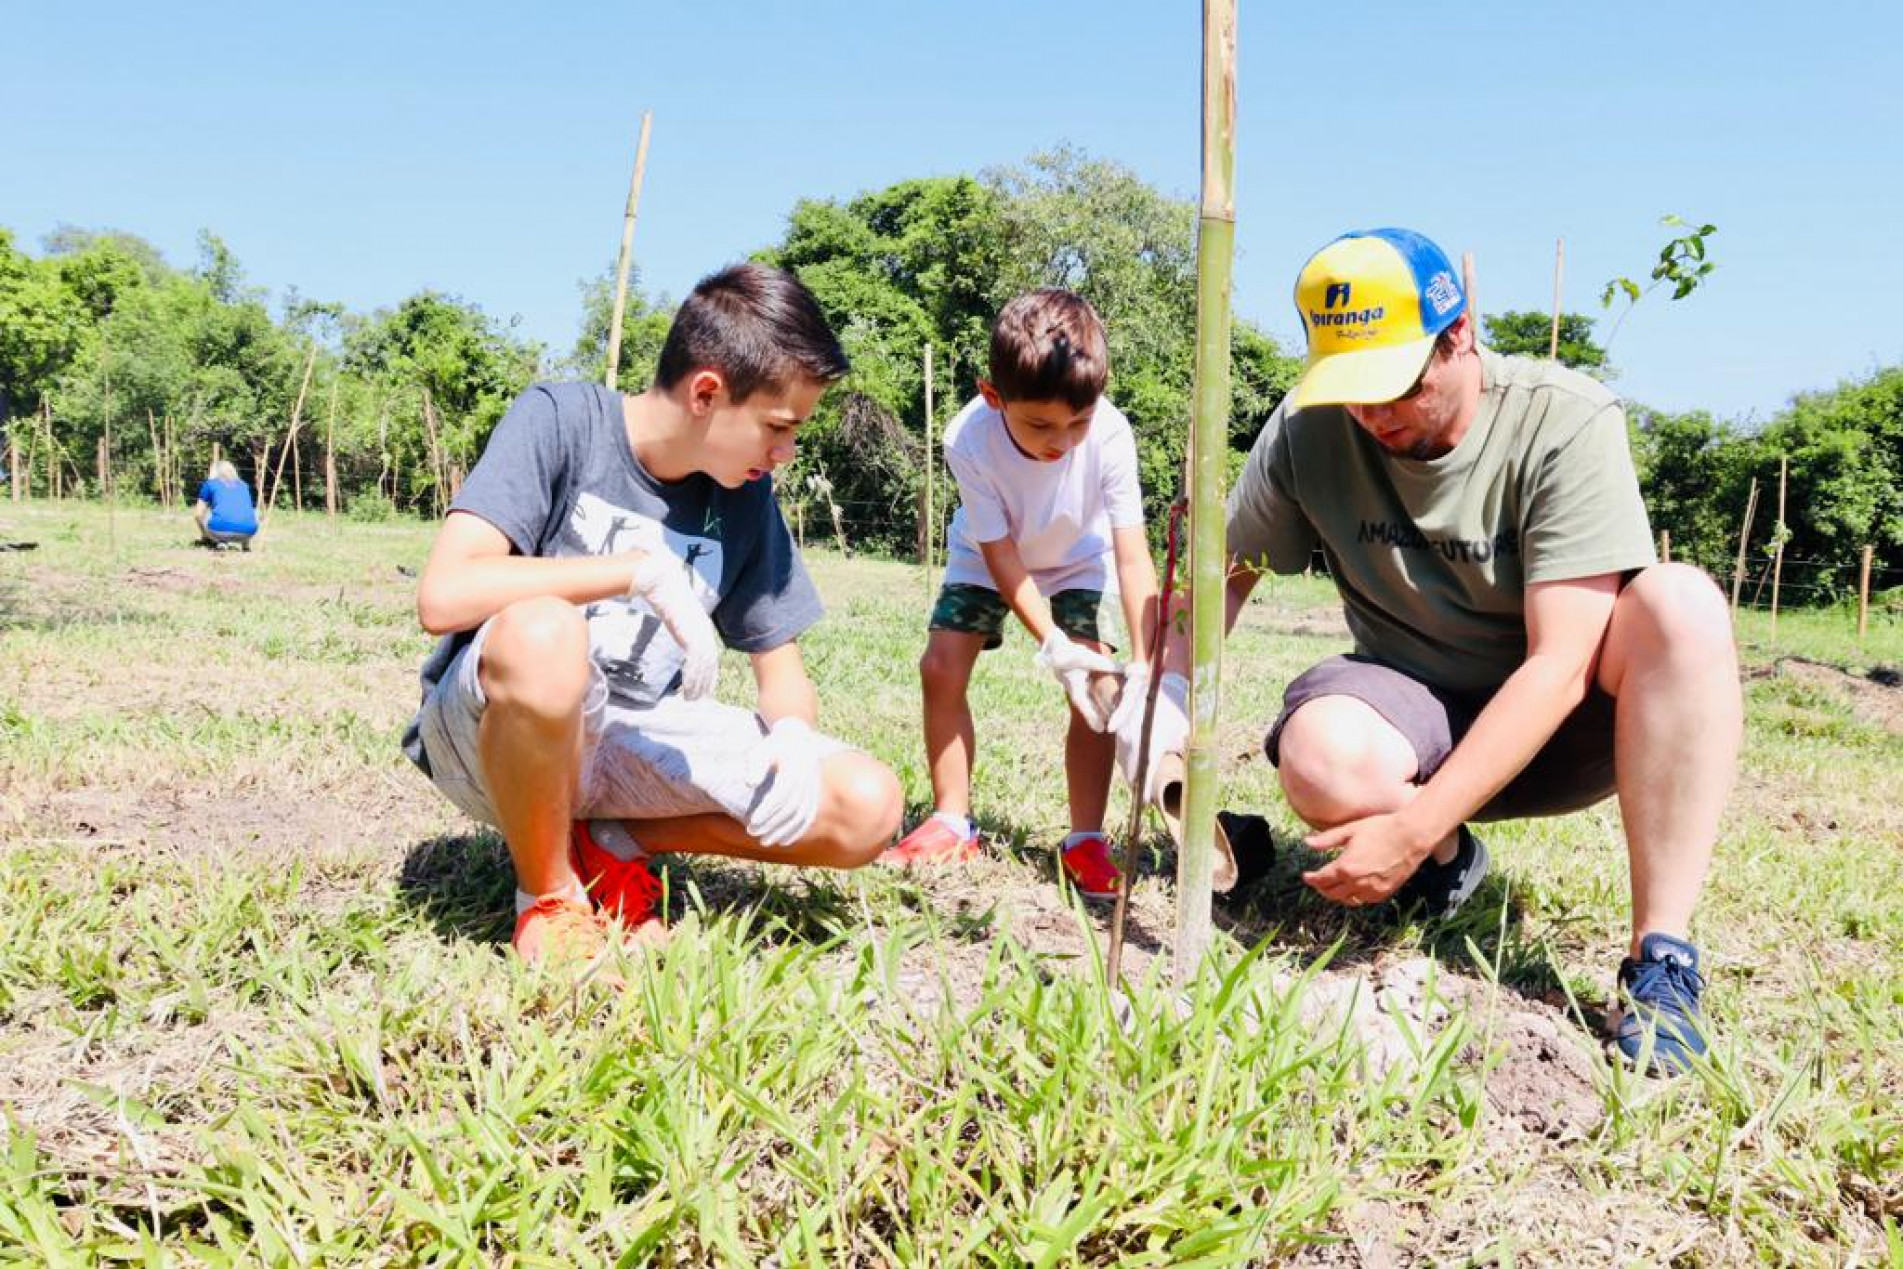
224, 511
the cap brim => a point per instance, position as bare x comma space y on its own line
1366, 377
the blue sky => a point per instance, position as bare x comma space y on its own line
361, 152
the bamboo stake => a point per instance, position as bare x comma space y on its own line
152, 434
435, 456
627, 251
799, 523
105, 487
1744, 537
1467, 285
1777, 560
290, 439
1215, 256
931, 524
1665, 546
297, 476
52, 451
1559, 273
1863, 594
330, 456
839, 526
13, 463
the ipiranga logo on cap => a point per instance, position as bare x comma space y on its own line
1342, 294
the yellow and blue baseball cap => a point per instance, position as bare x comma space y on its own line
1372, 302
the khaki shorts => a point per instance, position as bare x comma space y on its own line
979, 610
675, 758
1571, 771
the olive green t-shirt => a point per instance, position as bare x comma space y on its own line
1433, 556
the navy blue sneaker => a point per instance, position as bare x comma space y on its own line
1438, 889
1659, 992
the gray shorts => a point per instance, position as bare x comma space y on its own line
676, 758
1571, 771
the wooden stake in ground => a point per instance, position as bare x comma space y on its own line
1467, 285
1665, 546
290, 439
1863, 594
1559, 274
330, 456
1777, 559
1209, 430
438, 476
158, 469
930, 542
627, 251
13, 463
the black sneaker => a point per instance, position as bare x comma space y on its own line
1440, 890
1659, 1004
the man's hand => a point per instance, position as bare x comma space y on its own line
661, 579
1378, 855
1072, 664
785, 813
1169, 731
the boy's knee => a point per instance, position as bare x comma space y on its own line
942, 670
535, 656
863, 805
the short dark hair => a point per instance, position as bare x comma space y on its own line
758, 326
1048, 345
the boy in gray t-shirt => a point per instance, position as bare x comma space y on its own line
602, 550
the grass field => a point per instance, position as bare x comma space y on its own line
256, 1003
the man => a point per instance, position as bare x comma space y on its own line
1518, 649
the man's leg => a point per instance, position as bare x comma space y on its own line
535, 676
1671, 665
1340, 761
950, 736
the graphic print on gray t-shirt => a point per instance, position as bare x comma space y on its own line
637, 656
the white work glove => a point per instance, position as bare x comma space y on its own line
786, 811
661, 580
1072, 664
1136, 685
1169, 730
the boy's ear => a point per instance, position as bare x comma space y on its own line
704, 389
992, 396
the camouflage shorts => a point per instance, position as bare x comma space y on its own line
979, 610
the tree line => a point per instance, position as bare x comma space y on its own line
101, 337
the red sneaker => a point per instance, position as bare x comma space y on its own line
933, 842
622, 888
561, 934
1089, 867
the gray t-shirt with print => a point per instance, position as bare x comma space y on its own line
1432, 557
559, 478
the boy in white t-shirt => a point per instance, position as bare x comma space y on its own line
1051, 522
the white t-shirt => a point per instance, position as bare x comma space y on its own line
1059, 514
